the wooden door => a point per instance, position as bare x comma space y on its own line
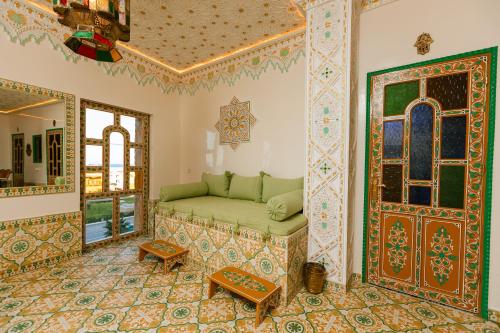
428, 186
17, 160
54, 155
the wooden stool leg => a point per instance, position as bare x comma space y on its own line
261, 310
211, 288
165, 266
142, 254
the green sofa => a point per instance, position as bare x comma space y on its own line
238, 200
234, 211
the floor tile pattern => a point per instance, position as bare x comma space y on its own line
108, 290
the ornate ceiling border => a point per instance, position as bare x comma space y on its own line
365, 4
277, 55
372, 4
25, 22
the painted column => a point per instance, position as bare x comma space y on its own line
331, 50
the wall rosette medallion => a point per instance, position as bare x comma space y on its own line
235, 123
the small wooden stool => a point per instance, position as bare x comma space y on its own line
260, 291
170, 253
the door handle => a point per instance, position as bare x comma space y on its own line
375, 188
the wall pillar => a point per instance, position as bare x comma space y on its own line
331, 52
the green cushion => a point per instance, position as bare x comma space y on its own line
218, 185
182, 191
246, 188
246, 213
272, 187
282, 206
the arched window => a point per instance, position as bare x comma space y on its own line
114, 166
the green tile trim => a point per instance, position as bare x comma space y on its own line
493, 51
489, 180
367, 174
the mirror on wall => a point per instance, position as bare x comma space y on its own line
36, 149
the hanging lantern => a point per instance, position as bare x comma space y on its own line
97, 25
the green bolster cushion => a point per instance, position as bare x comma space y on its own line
183, 191
246, 188
282, 206
272, 187
218, 185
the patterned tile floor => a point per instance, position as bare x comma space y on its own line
109, 290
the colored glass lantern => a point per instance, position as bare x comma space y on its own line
93, 46
98, 24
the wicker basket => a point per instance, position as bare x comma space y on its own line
314, 277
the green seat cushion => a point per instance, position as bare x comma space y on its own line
218, 185
282, 206
272, 186
182, 191
246, 188
248, 214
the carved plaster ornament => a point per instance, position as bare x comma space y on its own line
423, 43
235, 123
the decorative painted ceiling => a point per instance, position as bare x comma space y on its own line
275, 44
187, 33
184, 33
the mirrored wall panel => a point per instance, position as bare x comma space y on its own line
36, 140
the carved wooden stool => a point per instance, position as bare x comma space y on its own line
260, 291
170, 253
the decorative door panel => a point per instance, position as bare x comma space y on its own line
428, 190
398, 255
17, 160
55, 166
442, 260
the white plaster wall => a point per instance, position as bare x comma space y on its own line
40, 65
387, 37
277, 139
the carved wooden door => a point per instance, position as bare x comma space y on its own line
428, 187
17, 160
54, 155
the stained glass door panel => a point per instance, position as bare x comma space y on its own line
428, 179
